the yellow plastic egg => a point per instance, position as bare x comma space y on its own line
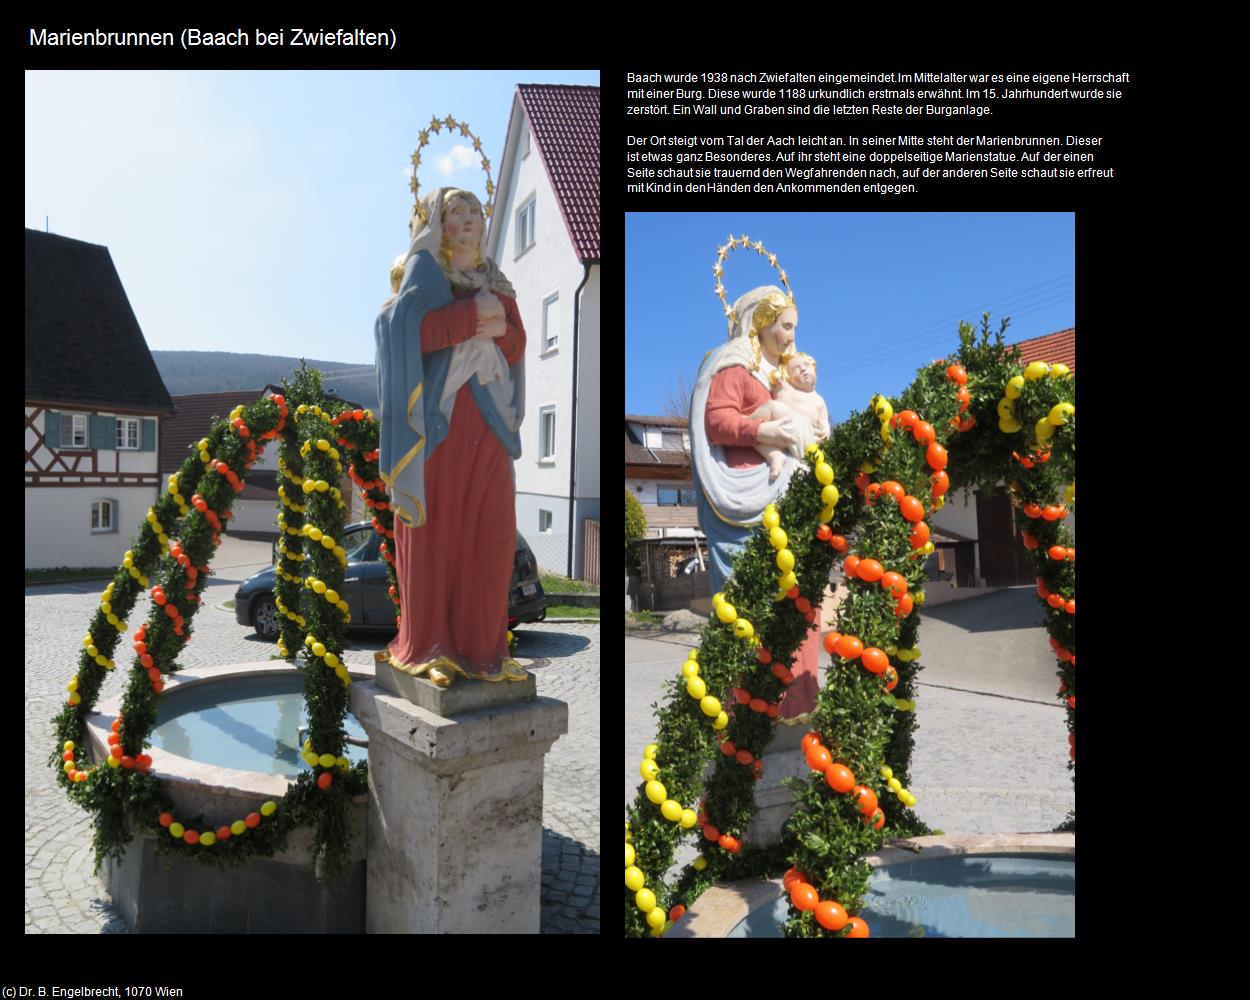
326, 760
743, 629
656, 792
726, 612
1059, 413
785, 560
651, 750
1036, 370
887, 772
895, 784
671, 810
1069, 494
788, 581
176, 830
238, 827
721, 722
688, 818
778, 538
318, 649
645, 899
268, 808
696, 688
689, 669
699, 863
771, 518
656, 919
629, 861
649, 770
829, 496
824, 473
709, 706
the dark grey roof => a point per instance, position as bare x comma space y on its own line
83, 343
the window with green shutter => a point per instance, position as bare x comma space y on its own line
104, 433
52, 429
73, 430
149, 435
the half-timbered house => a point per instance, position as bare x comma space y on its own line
94, 402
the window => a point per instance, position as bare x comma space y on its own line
525, 227
547, 434
670, 497
127, 433
551, 317
544, 521
103, 515
73, 430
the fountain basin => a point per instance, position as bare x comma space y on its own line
167, 893
995, 885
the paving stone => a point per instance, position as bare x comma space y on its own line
58, 834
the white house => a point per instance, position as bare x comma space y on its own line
94, 405
657, 472
544, 234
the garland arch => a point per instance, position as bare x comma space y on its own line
174, 545
977, 418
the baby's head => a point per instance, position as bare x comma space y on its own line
802, 371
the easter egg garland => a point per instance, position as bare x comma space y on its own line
174, 545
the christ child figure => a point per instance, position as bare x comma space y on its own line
796, 398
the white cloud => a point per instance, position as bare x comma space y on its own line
457, 158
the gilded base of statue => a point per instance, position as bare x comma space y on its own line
430, 685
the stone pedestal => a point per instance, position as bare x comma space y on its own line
775, 802
456, 806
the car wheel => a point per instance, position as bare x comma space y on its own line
265, 618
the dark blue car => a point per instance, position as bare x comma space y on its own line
365, 588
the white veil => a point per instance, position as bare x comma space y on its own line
736, 496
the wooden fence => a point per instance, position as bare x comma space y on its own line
590, 552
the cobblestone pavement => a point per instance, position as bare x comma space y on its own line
62, 894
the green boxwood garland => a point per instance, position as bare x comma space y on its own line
175, 543
856, 719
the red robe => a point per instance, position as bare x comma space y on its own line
733, 395
455, 570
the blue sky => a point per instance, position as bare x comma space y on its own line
878, 295
255, 212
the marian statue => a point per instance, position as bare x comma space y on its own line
736, 422
451, 389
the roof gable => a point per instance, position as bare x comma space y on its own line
565, 124
83, 343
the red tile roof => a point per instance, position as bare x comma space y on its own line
1054, 348
565, 121
656, 421
193, 418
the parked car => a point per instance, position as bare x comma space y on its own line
365, 588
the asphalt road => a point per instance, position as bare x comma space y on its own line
991, 747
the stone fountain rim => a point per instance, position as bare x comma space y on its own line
180, 770
723, 907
